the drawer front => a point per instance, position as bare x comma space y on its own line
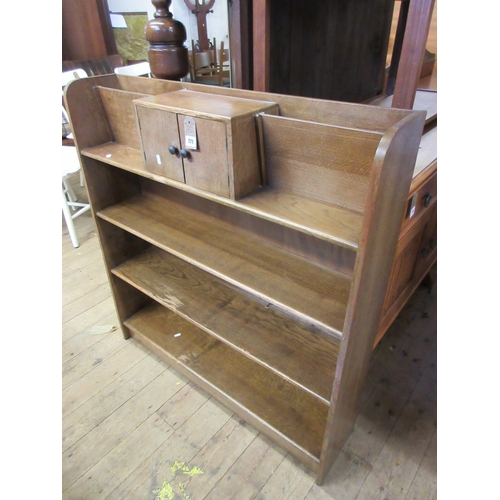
161, 133
206, 167
420, 201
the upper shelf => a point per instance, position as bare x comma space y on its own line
335, 143
322, 220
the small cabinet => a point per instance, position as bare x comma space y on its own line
206, 141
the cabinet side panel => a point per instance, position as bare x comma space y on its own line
107, 185
117, 246
419, 252
402, 270
344, 57
390, 183
246, 171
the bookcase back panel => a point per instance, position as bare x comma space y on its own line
337, 113
319, 161
121, 115
322, 252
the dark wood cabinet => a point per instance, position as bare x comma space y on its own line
330, 50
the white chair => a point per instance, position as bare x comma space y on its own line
68, 76
74, 74
70, 206
138, 69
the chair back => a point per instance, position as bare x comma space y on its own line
138, 69
210, 66
69, 76
95, 67
203, 60
224, 66
74, 74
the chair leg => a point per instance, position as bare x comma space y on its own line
69, 221
69, 191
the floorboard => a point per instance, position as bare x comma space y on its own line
133, 428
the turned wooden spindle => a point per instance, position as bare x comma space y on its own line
167, 55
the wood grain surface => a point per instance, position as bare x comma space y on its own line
104, 424
297, 351
260, 314
278, 277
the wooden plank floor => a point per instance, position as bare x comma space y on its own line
133, 428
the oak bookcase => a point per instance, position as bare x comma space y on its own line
268, 295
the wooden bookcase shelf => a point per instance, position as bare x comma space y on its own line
294, 417
278, 277
323, 220
267, 294
294, 350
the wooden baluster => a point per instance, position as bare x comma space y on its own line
167, 55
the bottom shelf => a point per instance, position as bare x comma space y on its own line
290, 416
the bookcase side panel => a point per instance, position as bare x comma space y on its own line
86, 112
392, 174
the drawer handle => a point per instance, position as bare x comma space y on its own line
426, 198
184, 153
172, 150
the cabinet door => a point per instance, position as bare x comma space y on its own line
415, 253
206, 167
428, 246
403, 269
159, 131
